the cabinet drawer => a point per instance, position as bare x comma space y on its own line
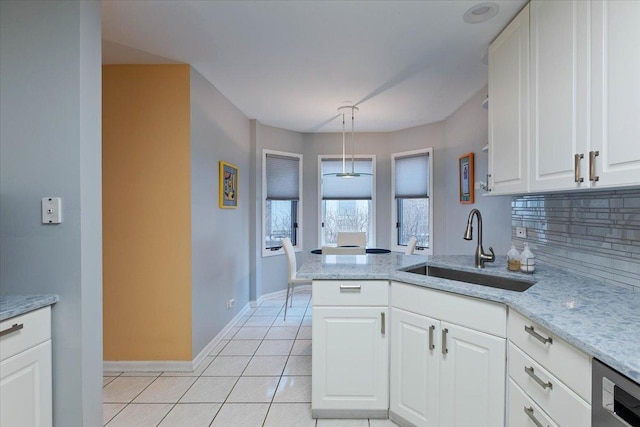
473, 313
24, 332
350, 293
554, 398
523, 410
570, 365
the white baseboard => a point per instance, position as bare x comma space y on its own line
277, 294
173, 365
191, 365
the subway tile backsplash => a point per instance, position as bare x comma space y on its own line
597, 233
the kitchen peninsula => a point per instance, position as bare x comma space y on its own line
586, 313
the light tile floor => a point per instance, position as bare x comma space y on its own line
259, 375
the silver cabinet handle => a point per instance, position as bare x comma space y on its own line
431, 344
14, 328
576, 167
531, 331
529, 412
350, 288
444, 341
382, 323
537, 379
592, 166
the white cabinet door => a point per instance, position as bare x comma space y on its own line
615, 106
25, 388
509, 108
350, 364
559, 95
415, 368
472, 380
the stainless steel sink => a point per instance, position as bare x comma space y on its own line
506, 283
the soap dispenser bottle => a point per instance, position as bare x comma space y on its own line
513, 259
527, 260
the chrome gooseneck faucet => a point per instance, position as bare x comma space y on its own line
481, 257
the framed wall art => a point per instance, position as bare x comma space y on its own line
228, 196
465, 165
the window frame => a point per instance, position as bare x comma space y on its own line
371, 157
266, 252
394, 203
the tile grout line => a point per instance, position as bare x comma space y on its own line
253, 355
283, 369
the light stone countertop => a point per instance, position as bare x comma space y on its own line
15, 305
600, 319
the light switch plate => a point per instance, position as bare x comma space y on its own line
521, 232
51, 210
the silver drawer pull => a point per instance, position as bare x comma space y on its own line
445, 350
537, 379
592, 166
529, 412
350, 288
14, 328
533, 333
576, 167
431, 344
382, 323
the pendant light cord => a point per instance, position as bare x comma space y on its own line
353, 144
343, 147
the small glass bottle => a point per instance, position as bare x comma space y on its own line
513, 259
527, 260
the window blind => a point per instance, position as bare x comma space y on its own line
338, 188
412, 177
283, 177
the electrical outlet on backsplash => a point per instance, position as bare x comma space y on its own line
596, 232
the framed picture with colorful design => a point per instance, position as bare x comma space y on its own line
466, 179
228, 198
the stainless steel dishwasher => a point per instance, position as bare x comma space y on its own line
615, 398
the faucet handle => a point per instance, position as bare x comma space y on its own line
486, 257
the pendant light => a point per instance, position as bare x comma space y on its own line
346, 109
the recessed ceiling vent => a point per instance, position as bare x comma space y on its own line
481, 12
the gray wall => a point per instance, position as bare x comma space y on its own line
273, 269
220, 257
466, 130
50, 145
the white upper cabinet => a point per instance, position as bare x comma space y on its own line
559, 95
577, 123
509, 108
615, 92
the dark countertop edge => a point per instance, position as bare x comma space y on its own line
15, 305
509, 298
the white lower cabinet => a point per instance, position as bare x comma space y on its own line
443, 372
472, 378
552, 374
25, 370
350, 364
415, 368
523, 411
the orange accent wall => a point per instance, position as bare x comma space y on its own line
146, 207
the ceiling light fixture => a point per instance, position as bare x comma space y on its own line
348, 107
481, 12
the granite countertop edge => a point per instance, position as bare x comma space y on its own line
15, 305
597, 318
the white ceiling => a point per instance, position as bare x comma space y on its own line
290, 64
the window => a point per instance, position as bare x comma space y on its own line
412, 208
282, 201
347, 203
